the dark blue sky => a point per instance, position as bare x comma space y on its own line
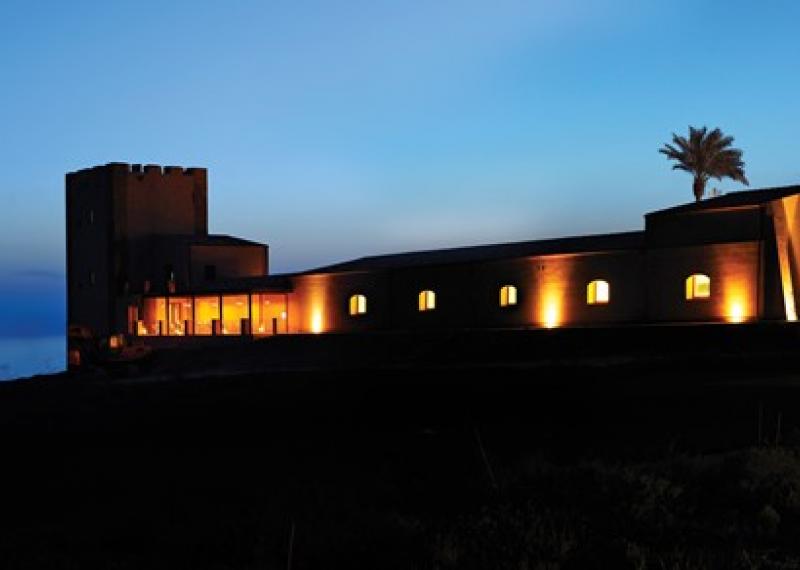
337, 129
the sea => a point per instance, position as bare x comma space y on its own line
24, 357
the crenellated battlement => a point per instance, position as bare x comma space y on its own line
144, 170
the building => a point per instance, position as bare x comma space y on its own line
142, 265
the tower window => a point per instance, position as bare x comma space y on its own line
508, 295
597, 292
427, 300
698, 286
358, 305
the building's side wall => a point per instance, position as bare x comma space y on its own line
155, 259
320, 302
551, 291
776, 296
786, 244
172, 201
703, 227
734, 272
89, 225
229, 261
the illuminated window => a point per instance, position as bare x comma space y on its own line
234, 310
508, 295
206, 311
154, 316
597, 292
180, 316
358, 305
698, 286
427, 300
268, 313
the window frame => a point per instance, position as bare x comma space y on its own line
357, 305
426, 301
592, 297
691, 287
509, 296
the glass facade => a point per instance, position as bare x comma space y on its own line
180, 316
206, 313
234, 309
268, 313
154, 316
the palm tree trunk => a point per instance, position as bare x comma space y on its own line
699, 187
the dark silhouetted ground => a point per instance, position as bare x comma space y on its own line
684, 461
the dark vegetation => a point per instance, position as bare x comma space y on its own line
686, 460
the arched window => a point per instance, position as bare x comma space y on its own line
508, 295
598, 292
698, 286
358, 305
427, 300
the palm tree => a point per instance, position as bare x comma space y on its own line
706, 155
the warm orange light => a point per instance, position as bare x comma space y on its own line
735, 312
206, 312
551, 315
553, 277
788, 246
316, 321
315, 303
234, 311
737, 305
786, 286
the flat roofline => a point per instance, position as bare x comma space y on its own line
740, 199
571, 245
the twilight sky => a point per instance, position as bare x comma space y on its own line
333, 130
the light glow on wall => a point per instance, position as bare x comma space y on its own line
786, 241
552, 278
737, 304
314, 303
316, 321
552, 314
735, 313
